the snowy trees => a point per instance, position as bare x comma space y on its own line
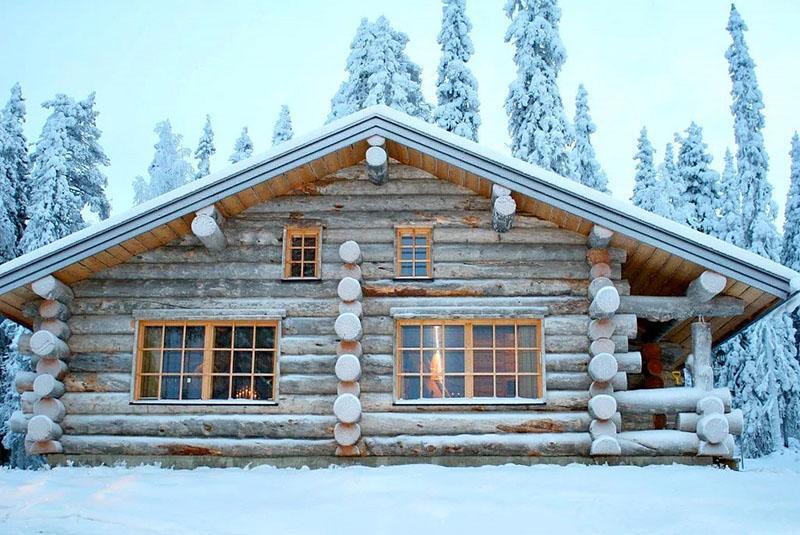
169, 169
379, 72
243, 148
456, 88
283, 127
730, 222
700, 183
14, 163
790, 255
205, 150
645, 188
538, 127
584, 162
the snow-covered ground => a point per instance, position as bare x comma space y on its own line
764, 498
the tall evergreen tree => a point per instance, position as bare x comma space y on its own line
646, 188
283, 127
790, 255
456, 88
14, 160
169, 169
586, 167
671, 203
540, 133
730, 223
379, 72
8, 209
205, 150
700, 182
243, 148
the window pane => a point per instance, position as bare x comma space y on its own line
454, 361
195, 336
454, 336
170, 387
407, 240
411, 361
173, 336
310, 255
192, 387
172, 362
528, 361
527, 386
420, 254
483, 386
152, 337
527, 336
309, 271
421, 241
406, 269
296, 255
222, 361
410, 335
432, 387
421, 270
506, 386
243, 337
241, 388
454, 387
504, 336
432, 362
482, 336
411, 388
263, 388
151, 361
432, 336
504, 361
148, 386
296, 270
193, 362
482, 361
242, 362
406, 253
265, 337
297, 241
219, 388
222, 336
263, 362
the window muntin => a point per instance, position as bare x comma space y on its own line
301, 253
208, 361
413, 253
492, 360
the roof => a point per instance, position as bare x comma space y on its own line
663, 256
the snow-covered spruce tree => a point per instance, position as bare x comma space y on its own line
670, 202
169, 169
54, 208
14, 159
379, 72
205, 150
790, 255
584, 161
243, 148
283, 127
645, 187
700, 182
8, 210
457, 107
540, 133
730, 211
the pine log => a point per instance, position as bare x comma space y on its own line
51, 309
503, 214
605, 303
353, 307
57, 327
43, 448
654, 367
350, 252
605, 445
599, 237
56, 368
712, 428
47, 345
658, 443
602, 407
597, 388
41, 428
499, 191
597, 284
702, 374
18, 422
51, 407
351, 270
687, 421
582, 381
524, 444
725, 449
348, 327
27, 400
664, 308
602, 345
347, 408
667, 400
602, 328
47, 386
51, 288
209, 232
394, 423
349, 346
350, 387
97, 382
346, 434
705, 287
630, 362
710, 405
349, 289
377, 165
348, 368
599, 270
599, 428
603, 367
23, 381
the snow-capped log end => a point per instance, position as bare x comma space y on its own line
56, 310
603, 367
41, 428
687, 421
503, 212
349, 289
346, 434
348, 368
377, 165
51, 407
602, 328
710, 405
18, 422
599, 237
23, 381
602, 407
51, 288
602, 428
47, 386
208, 232
47, 345
353, 307
598, 284
348, 387
54, 367
605, 303
347, 408
376, 141
705, 287
499, 191
350, 252
713, 428
605, 445
602, 345
348, 327
724, 449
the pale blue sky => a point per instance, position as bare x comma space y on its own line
643, 62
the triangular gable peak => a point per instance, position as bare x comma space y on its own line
662, 256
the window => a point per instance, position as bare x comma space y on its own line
197, 360
413, 253
469, 359
301, 258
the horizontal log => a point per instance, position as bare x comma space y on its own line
51, 309
53, 408
658, 442
47, 386
599, 237
23, 381
44, 447
527, 444
705, 287
202, 425
377, 203
687, 421
101, 362
581, 380
326, 384
55, 326
56, 368
53, 289
667, 400
97, 382
223, 447
18, 422
46, 344
393, 423
42, 428
208, 231
662, 308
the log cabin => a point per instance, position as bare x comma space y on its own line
378, 292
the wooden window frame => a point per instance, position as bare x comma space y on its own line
208, 361
290, 232
469, 373
399, 233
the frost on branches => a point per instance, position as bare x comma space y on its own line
538, 127
205, 150
586, 168
457, 107
790, 255
169, 169
243, 148
379, 72
701, 195
15, 165
645, 187
283, 127
730, 221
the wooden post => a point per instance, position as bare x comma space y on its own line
702, 373
207, 226
499, 191
503, 213
377, 165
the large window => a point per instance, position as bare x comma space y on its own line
413, 253
301, 253
469, 359
198, 360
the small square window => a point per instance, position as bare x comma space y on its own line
301, 253
413, 253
